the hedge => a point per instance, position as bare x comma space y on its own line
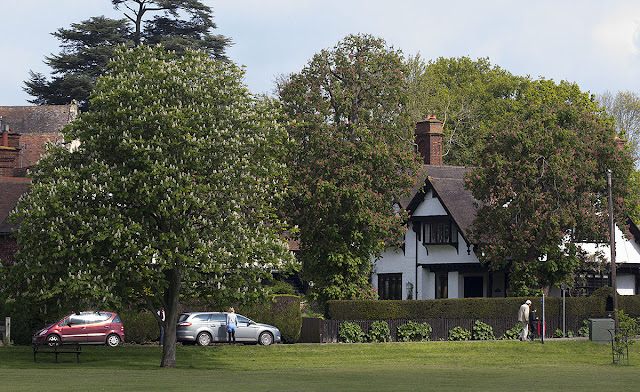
283, 313
140, 327
584, 307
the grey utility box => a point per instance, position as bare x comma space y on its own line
599, 330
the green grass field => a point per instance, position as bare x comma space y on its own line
437, 366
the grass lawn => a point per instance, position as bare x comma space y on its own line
438, 366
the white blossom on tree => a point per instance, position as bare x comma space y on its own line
169, 195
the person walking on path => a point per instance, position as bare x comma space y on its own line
523, 318
232, 324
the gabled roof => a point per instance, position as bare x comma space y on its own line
448, 184
11, 188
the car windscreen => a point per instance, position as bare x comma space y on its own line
183, 317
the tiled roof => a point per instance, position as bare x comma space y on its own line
11, 188
448, 183
37, 119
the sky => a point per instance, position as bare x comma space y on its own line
593, 43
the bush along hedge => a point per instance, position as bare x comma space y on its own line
350, 333
379, 332
459, 333
284, 313
482, 331
414, 332
140, 327
513, 333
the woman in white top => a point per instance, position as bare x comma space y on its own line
232, 324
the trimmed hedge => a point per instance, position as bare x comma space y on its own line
584, 307
284, 313
139, 327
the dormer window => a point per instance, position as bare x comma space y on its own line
439, 232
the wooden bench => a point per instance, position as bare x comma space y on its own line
57, 349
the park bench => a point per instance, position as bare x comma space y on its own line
57, 349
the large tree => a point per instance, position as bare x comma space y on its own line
87, 46
543, 188
468, 96
353, 159
167, 193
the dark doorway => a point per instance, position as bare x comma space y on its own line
473, 287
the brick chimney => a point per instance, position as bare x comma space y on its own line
429, 140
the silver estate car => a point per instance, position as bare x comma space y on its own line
205, 328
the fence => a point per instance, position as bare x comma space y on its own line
326, 331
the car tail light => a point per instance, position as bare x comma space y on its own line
184, 324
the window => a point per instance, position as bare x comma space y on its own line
439, 232
588, 282
442, 285
218, 317
473, 286
390, 286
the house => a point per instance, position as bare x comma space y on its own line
25, 131
438, 259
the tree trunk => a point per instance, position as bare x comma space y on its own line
171, 313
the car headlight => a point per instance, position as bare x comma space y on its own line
43, 332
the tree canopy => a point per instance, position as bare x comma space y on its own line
87, 46
543, 189
167, 193
352, 159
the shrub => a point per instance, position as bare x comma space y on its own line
379, 332
584, 330
459, 333
25, 321
482, 331
513, 333
413, 331
140, 327
284, 313
350, 333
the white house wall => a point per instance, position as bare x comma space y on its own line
418, 280
627, 251
415, 272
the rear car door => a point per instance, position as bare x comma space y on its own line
218, 326
97, 327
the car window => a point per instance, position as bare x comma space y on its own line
201, 317
95, 318
183, 317
76, 319
242, 319
117, 319
218, 317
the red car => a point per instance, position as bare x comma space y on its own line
85, 328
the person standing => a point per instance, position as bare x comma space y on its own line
232, 324
523, 318
161, 325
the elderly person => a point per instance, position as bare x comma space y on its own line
523, 318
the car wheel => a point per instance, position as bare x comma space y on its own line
53, 339
265, 339
203, 339
113, 340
